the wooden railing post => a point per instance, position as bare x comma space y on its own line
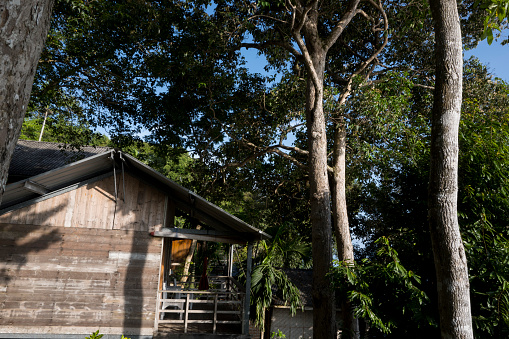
215, 315
158, 309
186, 313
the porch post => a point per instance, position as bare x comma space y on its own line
230, 261
245, 321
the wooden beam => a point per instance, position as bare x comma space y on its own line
32, 186
203, 235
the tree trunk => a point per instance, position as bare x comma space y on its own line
339, 208
314, 53
24, 26
324, 322
448, 251
350, 328
189, 257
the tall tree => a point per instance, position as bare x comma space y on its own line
23, 30
308, 31
448, 251
178, 60
172, 84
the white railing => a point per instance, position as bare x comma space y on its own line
181, 304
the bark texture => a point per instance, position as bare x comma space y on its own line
324, 315
341, 225
449, 254
324, 322
339, 207
23, 29
314, 52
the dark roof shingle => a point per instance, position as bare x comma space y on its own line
303, 280
34, 157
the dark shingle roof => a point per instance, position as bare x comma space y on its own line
303, 279
33, 157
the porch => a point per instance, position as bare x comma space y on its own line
212, 305
183, 308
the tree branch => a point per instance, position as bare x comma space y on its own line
262, 46
365, 64
345, 20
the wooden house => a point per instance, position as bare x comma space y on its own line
87, 246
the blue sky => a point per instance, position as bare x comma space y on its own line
495, 56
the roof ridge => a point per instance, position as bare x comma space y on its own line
59, 143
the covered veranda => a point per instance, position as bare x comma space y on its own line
214, 302
183, 306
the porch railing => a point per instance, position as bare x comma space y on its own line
180, 306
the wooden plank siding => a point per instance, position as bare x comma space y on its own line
94, 206
80, 261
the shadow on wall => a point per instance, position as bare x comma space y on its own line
137, 213
21, 247
19, 242
102, 271
135, 309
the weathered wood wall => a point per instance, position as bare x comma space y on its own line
76, 263
94, 206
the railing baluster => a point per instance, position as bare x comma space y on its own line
224, 291
215, 315
186, 313
158, 309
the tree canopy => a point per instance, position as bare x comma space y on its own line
173, 74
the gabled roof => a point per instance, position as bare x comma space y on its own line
225, 226
303, 280
34, 157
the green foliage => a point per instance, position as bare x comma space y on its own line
176, 164
484, 197
61, 128
278, 335
95, 335
381, 290
394, 202
266, 278
124, 65
497, 13
488, 254
484, 134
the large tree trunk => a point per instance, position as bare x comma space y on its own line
24, 26
324, 323
448, 251
339, 207
344, 245
314, 53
